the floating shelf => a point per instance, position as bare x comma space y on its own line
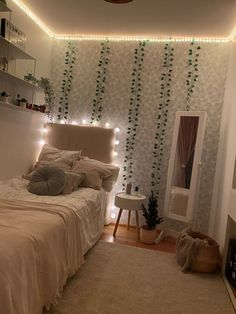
12, 52
13, 107
4, 8
18, 82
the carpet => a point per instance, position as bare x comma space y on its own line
119, 279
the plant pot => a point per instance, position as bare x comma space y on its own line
4, 99
148, 236
22, 104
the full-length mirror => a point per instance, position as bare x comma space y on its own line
184, 165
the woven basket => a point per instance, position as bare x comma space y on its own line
207, 259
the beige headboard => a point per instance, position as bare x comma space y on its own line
95, 142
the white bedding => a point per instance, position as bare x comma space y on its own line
68, 225
89, 204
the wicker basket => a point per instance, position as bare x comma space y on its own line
207, 259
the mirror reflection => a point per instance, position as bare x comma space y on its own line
183, 165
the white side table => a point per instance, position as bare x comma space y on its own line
129, 202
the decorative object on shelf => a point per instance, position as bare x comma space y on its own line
4, 96
23, 102
148, 232
17, 101
4, 64
49, 95
31, 79
12, 33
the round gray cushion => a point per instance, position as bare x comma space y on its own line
47, 180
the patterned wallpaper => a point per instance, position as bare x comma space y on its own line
109, 86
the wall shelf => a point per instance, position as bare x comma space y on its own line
12, 52
4, 8
18, 108
18, 82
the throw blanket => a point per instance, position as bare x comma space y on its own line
186, 249
40, 247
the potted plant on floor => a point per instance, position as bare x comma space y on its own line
148, 232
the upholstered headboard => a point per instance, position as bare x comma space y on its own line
95, 142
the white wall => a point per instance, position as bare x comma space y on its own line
226, 156
20, 135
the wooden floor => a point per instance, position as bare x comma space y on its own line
129, 237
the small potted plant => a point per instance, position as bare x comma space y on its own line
23, 102
4, 96
148, 232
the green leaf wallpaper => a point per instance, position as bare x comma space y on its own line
143, 98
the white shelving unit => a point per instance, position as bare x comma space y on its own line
10, 82
18, 108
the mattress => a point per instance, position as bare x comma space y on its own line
31, 227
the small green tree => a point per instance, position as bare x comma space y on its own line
151, 213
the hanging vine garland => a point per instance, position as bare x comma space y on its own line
133, 113
70, 60
101, 82
49, 96
162, 117
193, 58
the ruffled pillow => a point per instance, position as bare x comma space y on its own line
52, 154
97, 174
73, 181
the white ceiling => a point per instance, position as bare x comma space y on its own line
140, 17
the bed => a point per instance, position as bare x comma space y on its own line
43, 239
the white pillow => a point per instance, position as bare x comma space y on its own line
97, 174
52, 154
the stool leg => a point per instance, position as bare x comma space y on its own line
117, 222
137, 223
129, 214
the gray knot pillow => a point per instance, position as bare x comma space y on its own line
47, 180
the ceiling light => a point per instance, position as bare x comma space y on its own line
118, 1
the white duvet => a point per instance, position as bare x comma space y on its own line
42, 242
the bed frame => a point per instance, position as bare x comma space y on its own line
94, 142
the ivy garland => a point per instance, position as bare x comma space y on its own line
133, 113
70, 60
101, 82
193, 56
162, 117
49, 96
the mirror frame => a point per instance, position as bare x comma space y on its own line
193, 191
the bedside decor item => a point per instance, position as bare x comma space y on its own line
4, 96
131, 203
148, 232
128, 188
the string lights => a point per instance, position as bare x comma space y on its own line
79, 37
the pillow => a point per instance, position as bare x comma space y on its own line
52, 154
40, 164
47, 180
97, 173
73, 181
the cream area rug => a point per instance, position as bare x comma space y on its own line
119, 279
